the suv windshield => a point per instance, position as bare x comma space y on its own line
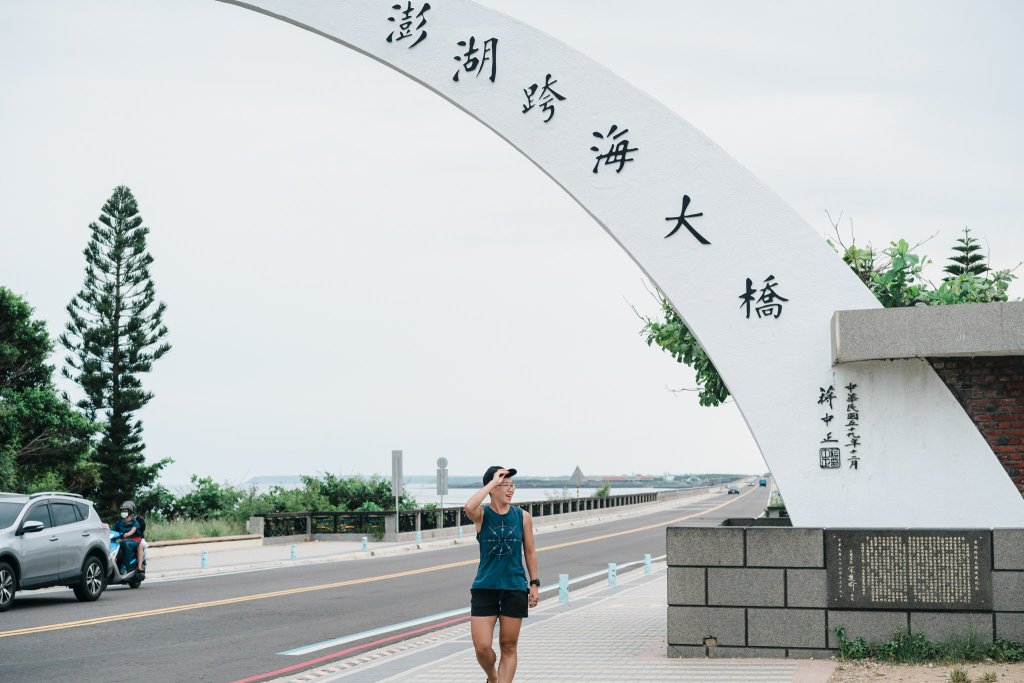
9, 512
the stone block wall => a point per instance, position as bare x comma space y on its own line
763, 592
991, 390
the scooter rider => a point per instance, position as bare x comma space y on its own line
131, 532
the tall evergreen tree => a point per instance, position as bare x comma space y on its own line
114, 336
967, 259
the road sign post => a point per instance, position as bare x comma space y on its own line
396, 485
442, 487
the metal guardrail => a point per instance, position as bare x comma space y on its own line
374, 523
309, 523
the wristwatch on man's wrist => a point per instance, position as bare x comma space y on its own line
535, 582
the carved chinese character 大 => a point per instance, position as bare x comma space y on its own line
618, 150
476, 60
681, 220
405, 21
546, 99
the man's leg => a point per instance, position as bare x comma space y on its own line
508, 640
482, 629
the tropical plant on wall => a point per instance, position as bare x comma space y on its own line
894, 276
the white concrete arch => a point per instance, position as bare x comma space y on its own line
754, 281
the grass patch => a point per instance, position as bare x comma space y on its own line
192, 528
905, 648
959, 675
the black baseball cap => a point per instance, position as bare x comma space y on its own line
489, 474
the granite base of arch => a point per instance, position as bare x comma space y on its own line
771, 591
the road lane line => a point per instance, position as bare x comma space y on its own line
328, 586
342, 653
306, 649
228, 601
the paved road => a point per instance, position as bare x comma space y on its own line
231, 627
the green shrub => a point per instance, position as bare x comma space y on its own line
179, 529
905, 648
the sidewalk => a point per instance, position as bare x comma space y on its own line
611, 635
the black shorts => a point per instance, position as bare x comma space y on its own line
487, 602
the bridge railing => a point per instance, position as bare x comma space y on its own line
379, 524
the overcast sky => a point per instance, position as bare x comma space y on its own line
352, 265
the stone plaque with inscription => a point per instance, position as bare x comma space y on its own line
909, 569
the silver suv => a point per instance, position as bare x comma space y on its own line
51, 539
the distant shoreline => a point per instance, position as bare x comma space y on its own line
473, 482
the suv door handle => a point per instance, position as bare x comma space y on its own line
53, 538
85, 533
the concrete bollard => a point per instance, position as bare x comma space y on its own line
366, 543
459, 532
204, 560
612, 574
419, 537
647, 563
563, 588
294, 554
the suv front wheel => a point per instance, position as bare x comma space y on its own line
94, 580
7, 586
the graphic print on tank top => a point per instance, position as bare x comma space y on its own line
503, 538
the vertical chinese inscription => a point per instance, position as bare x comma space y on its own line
909, 569
829, 457
852, 421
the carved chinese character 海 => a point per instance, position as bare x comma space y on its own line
618, 151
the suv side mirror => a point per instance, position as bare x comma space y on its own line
32, 526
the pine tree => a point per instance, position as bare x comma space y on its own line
967, 260
115, 335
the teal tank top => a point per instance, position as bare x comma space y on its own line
501, 551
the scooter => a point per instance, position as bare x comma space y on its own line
125, 571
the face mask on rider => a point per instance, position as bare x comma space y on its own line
124, 515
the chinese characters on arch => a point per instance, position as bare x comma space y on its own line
409, 22
769, 302
829, 454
